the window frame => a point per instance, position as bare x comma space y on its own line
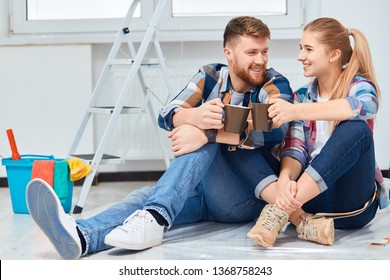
20, 25
170, 28
293, 19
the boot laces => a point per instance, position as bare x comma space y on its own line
310, 230
273, 219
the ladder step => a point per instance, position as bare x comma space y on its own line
130, 61
106, 158
110, 109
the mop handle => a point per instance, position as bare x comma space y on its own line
12, 143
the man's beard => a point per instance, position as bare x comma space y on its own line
244, 75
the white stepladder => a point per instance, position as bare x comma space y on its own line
135, 62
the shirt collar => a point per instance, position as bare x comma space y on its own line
226, 86
312, 90
225, 79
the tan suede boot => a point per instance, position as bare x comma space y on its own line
317, 229
268, 226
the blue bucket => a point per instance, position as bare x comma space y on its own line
19, 175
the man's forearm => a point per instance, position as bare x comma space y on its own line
183, 116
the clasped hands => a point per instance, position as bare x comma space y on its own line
285, 196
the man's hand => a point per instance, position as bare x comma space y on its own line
186, 139
209, 114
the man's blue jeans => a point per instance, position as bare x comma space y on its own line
198, 186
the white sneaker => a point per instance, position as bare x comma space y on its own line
46, 210
139, 231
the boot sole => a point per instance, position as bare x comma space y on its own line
329, 233
259, 240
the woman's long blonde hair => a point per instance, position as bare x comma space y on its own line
354, 61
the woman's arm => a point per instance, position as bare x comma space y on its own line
290, 169
361, 103
287, 187
334, 110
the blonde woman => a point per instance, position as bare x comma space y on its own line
328, 170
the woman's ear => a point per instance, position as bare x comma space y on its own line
335, 55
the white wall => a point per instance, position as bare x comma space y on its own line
44, 90
50, 84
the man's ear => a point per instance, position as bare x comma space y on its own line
228, 53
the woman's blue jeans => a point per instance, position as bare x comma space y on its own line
345, 172
198, 186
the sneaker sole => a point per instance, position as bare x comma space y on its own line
44, 207
137, 247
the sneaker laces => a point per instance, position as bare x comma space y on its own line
134, 222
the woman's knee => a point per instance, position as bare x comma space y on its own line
354, 128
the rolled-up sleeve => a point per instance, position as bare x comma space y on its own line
295, 144
165, 117
189, 97
362, 97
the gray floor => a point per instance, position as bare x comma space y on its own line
21, 239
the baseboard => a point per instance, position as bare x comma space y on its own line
113, 177
129, 176
133, 176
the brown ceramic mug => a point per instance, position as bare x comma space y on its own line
235, 118
260, 118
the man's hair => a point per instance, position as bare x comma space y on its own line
245, 25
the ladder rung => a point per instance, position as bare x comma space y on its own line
129, 61
106, 158
110, 109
